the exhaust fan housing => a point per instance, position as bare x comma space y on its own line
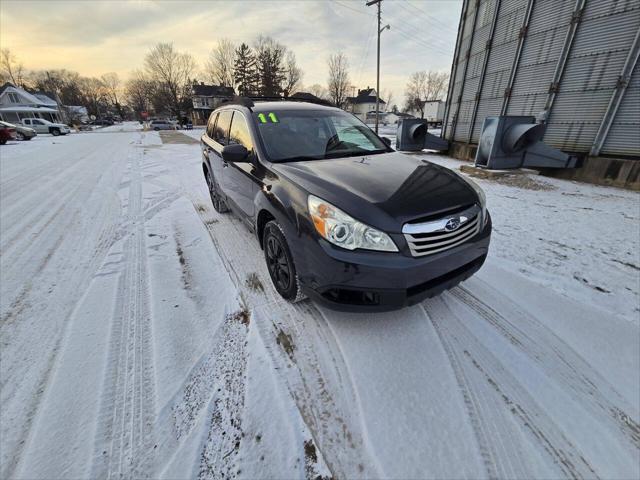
515, 142
412, 136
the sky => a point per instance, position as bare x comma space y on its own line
94, 37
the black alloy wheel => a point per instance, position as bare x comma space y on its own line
280, 264
218, 203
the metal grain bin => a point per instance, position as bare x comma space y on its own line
569, 63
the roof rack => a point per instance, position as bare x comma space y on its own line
249, 101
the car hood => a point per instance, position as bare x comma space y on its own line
384, 190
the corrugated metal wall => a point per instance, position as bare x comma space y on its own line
510, 51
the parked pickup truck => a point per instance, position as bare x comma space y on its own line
41, 125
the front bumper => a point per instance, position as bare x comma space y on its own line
378, 281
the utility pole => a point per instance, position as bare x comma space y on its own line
378, 3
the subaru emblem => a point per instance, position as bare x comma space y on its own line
452, 224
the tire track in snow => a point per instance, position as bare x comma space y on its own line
125, 429
484, 373
312, 383
222, 443
45, 291
308, 383
560, 362
211, 395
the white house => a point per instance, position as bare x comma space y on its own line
364, 103
206, 98
16, 104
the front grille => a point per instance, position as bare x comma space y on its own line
432, 237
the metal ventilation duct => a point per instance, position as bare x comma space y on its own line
514, 142
412, 136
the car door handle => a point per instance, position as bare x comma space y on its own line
225, 164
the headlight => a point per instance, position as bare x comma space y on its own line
481, 196
337, 227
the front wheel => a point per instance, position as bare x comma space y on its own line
280, 264
218, 203
55, 132
20, 136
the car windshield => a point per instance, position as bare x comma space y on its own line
290, 135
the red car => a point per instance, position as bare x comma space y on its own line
6, 134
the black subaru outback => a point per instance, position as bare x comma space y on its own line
342, 217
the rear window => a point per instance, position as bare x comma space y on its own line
222, 127
211, 124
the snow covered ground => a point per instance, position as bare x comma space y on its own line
141, 336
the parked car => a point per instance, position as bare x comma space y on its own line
22, 132
342, 217
6, 133
162, 125
40, 125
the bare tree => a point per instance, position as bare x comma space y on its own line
93, 91
11, 69
219, 67
293, 74
138, 92
423, 87
318, 90
111, 83
172, 70
338, 84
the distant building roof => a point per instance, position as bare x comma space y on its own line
46, 98
29, 99
366, 95
202, 90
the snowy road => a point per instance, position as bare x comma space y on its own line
141, 336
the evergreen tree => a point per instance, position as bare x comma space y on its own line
244, 70
270, 69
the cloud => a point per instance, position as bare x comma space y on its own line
94, 37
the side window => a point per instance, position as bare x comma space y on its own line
221, 130
211, 124
239, 133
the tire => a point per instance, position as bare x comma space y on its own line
218, 203
2, 142
55, 132
282, 269
20, 136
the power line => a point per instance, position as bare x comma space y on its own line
419, 30
366, 54
427, 16
353, 9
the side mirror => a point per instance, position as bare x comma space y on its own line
234, 153
386, 141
